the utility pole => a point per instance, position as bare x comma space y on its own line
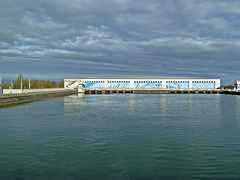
0, 85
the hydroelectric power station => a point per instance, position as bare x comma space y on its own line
98, 86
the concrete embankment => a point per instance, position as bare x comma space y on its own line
11, 99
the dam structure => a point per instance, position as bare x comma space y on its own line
100, 86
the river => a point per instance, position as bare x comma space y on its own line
122, 136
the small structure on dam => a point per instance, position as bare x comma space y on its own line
237, 85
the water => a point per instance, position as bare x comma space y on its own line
122, 136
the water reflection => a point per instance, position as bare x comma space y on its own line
163, 101
75, 99
238, 110
155, 136
190, 107
228, 104
15, 108
73, 103
217, 107
105, 100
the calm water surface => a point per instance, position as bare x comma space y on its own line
122, 136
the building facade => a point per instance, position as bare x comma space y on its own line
145, 83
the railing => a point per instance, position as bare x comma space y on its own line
13, 95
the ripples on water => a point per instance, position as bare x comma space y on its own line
122, 136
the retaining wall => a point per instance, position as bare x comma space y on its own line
10, 99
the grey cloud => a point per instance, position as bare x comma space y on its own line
152, 38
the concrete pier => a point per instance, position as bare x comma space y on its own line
158, 91
154, 91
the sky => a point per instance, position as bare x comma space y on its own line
59, 39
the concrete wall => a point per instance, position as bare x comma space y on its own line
17, 91
42, 90
12, 91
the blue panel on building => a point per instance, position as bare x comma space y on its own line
203, 85
94, 85
147, 85
177, 85
118, 85
0, 88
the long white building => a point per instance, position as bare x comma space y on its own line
144, 83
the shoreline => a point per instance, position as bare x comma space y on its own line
25, 98
14, 99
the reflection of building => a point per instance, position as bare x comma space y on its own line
237, 84
145, 83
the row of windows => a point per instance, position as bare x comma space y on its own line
94, 81
188, 82
177, 81
203, 82
118, 81
147, 81
151, 81
107, 81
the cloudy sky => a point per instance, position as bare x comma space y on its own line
59, 39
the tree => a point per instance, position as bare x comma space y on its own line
17, 83
35, 84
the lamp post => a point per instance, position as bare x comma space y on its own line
0, 85
11, 83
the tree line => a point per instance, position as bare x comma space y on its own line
34, 84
